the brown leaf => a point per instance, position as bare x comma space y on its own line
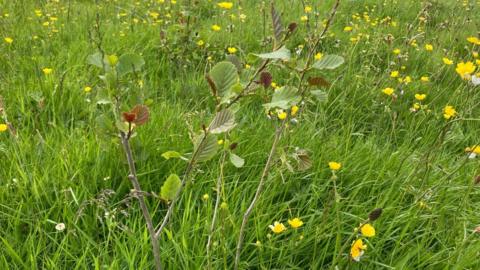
142, 114
318, 81
129, 117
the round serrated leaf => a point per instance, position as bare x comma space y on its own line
329, 62
223, 75
224, 121
205, 147
170, 187
282, 53
236, 160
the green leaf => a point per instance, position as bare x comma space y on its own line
282, 53
104, 125
319, 95
236, 160
205, 147
329, 62
170, 187
95, 59
224, 121
283, 98
223, 75
171, 154
128, 63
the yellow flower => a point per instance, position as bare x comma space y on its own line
277, 227
449, 112
475, 54
220, 142
367, 230
396, 51
304, 18
465, 69
47, 71
394, 74
420, 97
216, 28
200, 43
318, 56
294, 110
407, 79
388, 91
334, 166
205, 197
295, 223
347, 29
474, 40
474, 149
308, 9
429, 47
447, 61
3, 127
231, 50
87, 89
357, 249
225, 5
112, 60
8, 40
282, 115
424, 79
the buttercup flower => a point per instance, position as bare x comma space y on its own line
231, 50
318, 56
396, 51
357, 250
394, 74
449, 112
277, 227
334, 166
216, 28
294, 110
367, 230
282, 115
429, 47
295, 223
420, 97
347, 29
447, 61
87, 89
388, 91
8, 40
3, 127
474, 40
465, 69
225, 5
47, 71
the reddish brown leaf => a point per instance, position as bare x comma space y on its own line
129, 117
142, 114
318, 81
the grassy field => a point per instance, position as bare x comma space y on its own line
66, 201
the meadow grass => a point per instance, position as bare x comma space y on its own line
61, 169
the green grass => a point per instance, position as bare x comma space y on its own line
61, 168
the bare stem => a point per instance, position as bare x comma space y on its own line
215, 211
139, 194
247, 214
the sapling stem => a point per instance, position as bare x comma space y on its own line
139, 194
261, 183
215, 210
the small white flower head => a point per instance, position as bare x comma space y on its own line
60, 227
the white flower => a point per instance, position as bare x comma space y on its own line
475, 80
60, 227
